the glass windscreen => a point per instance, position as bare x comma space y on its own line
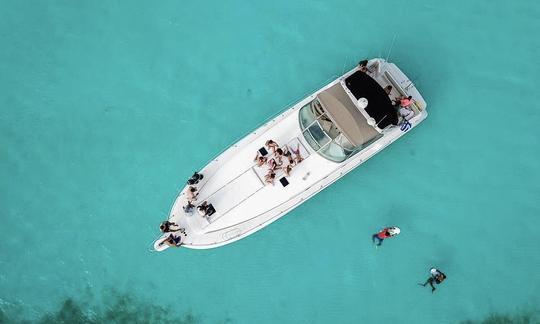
322, 134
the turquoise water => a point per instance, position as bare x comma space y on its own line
106, 107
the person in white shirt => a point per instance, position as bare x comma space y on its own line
406, 113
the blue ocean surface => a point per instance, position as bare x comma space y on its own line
106, 107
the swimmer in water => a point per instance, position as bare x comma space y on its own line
436, 277
384, 234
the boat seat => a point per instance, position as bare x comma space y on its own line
415, 106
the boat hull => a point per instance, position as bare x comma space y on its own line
244, 216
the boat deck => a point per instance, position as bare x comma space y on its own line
235, 186
238, 191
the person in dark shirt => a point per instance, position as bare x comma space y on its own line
436, 276
169, 227
362, 66
195, 178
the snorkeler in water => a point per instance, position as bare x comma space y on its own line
436, 277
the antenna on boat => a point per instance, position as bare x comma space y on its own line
344, 64
390, 50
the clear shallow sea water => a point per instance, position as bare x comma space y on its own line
106, 107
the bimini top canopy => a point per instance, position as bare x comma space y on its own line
379, 105
346, 116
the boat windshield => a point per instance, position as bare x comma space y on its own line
321, 133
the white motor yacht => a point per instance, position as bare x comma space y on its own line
332, 131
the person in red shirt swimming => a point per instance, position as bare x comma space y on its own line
385, 233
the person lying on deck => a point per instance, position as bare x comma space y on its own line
279, 156
297, 157
168, 227
288, 162
288, 158
261, 160
172, 240
272, 164
270, 177
287, 169
271, 145
192, 193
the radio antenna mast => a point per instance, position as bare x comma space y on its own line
390, 50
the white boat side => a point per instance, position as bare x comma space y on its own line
235, 186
